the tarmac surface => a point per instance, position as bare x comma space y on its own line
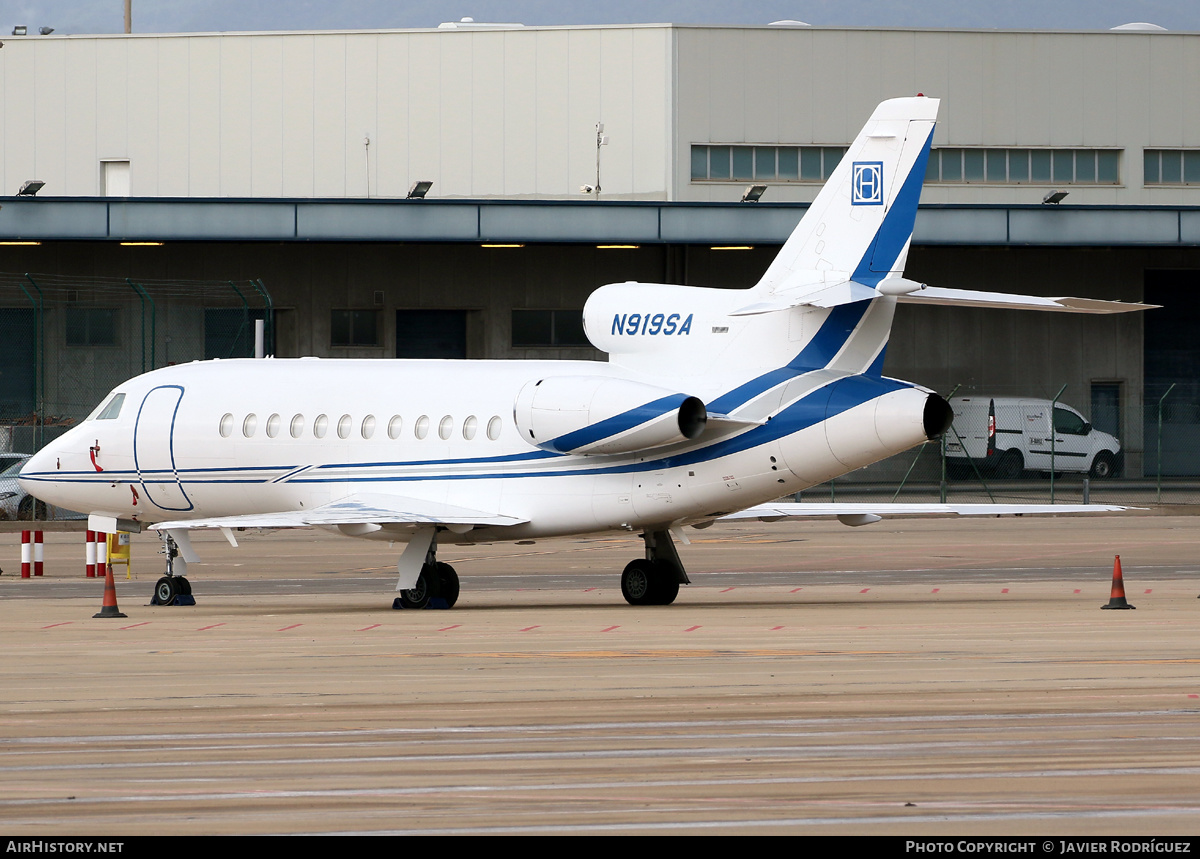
916, 677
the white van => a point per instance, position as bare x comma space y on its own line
1006, 436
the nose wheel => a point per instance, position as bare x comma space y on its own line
172, 589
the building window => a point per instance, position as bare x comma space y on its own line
548, 328
1024, 166
1171, 166
764, 163
91, 326
354, 328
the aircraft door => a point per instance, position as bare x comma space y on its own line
154, 449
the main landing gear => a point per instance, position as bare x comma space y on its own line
172, 589
655, 580
437, 585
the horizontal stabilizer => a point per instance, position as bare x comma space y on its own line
971, 298
865, 514
372, 509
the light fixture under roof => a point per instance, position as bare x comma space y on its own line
30, 187
1054, 197
419, 189
19, 30
753, 193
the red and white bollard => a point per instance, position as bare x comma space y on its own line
26, 554
90, 553
39, 553
101, 554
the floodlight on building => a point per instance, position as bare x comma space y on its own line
30, 187
586, 189
45, 31
418, 190
19, 30
1054, 197
753, 193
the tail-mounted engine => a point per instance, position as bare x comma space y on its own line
597, 415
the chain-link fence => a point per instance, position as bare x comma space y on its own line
67, 341
1047, 443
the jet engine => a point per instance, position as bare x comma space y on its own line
598, 414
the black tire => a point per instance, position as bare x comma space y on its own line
185, 587
31, 509
447, 584
1104, 466
666, 587
166, 589
425, 590
637, 583
1011, 466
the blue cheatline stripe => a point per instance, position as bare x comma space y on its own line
808, 411
897, 226
876, 368
816, 355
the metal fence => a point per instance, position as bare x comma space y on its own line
67, 341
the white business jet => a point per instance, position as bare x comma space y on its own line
713, 403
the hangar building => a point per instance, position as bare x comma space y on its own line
286, 159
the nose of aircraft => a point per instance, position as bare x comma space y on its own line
37, 475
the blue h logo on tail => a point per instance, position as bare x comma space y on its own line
867, 187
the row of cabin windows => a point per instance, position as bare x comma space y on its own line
346, 426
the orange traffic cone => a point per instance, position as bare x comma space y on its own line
109, 607
1117, 600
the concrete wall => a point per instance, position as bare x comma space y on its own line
1022, 89
481, 114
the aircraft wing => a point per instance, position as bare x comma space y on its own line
360, 509
865, 514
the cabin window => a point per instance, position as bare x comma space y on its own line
368, 426
470, 425
226, 426
297, 427
395, 426
494, 428
422, 427
320, 426
249, 425
344, 425
273, 423
446, 427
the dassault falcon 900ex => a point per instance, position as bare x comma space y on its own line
713, 401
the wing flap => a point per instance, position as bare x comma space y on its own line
865, 514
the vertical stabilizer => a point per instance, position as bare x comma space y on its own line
860, 225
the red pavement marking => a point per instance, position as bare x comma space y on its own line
727, 590
372, 626
136, 625
1078, 590
1194, 696
214, 626
1003, 590
589, 590
448, 628
530, 628
776, 628
864, 590
935, 590
610, 628
1148, 590
286, 628
795, 590
64, 623
691, 629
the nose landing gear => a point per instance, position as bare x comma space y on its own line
655, 580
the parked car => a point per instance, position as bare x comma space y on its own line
14, 502
1006, 436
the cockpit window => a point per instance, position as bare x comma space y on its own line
113, 409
